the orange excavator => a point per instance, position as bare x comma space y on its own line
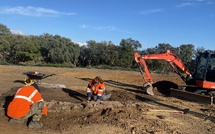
203, 78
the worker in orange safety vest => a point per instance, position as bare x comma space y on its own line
27, 102
95, 89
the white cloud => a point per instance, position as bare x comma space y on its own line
107, 28
151, 11
194, 3
32, 11
185, 4
17, 32
80, 44
83, 26
104, 28
210, 2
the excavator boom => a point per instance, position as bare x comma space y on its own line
168, 56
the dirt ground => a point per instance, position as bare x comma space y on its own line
129, 111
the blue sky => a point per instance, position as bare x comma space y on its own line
149, 21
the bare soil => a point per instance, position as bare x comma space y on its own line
129, 111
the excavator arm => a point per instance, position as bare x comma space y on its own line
169, 57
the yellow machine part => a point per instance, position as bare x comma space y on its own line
28, 81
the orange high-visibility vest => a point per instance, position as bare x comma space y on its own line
98, 89
22, 101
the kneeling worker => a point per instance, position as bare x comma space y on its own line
95, 89
27, 102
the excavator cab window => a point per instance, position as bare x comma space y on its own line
211, 62
210, 74
205, 69
201, 66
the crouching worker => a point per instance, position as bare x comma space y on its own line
27, 103
95, 89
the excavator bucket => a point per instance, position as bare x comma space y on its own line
149, 91
149, 88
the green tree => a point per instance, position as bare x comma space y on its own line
4, 30
111, 55
198, 51
163, 47
187, 52
127, 47
59, 50
4, 48
90, 55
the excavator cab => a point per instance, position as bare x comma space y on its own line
205, 69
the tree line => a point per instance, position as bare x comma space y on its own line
47, 49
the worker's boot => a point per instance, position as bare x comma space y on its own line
98, 98
35, 124
19, 121
94, 97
